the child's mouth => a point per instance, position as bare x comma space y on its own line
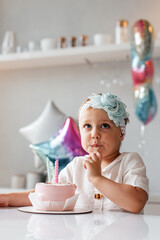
95, 147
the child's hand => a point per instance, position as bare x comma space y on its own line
92, 164
4, 200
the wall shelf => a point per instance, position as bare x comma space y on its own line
69, 56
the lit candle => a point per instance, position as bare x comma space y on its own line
56, 170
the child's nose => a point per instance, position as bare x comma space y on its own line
95, 134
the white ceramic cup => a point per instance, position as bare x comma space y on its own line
47, 44
32, 46
101, 39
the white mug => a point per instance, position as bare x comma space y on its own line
101, 39
32, 46
47, 44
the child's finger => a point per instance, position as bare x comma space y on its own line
87, 157
95, 156
86, 162
99, 156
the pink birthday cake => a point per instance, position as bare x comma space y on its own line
54, 191
54, 197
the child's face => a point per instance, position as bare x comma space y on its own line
99, 133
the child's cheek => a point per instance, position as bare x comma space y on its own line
85, 146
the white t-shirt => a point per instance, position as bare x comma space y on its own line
128, 168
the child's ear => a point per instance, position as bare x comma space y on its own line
121, 137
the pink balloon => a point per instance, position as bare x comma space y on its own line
66, 145
142, 39
69, 137
142, 72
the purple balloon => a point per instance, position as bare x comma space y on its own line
69, 137
66, 145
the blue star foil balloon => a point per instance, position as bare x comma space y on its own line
143, 71
66, 145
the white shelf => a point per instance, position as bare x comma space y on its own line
68, 56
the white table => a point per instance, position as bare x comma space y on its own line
92, 226
109, 225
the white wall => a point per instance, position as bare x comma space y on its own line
24, 93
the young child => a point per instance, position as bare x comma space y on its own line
105, 178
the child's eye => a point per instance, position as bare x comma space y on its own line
105, 125
87, 126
